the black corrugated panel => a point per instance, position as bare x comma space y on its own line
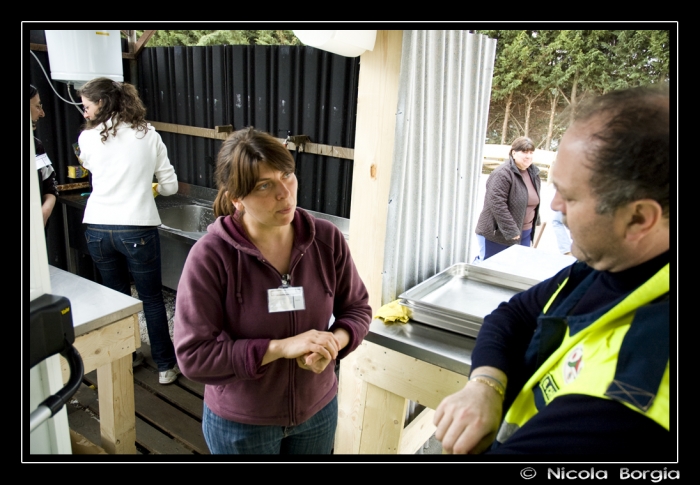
280, 89
283, 90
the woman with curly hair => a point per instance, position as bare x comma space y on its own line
123, 153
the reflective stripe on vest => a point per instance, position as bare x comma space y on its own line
622, 355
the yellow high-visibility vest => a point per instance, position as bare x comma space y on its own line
622, 355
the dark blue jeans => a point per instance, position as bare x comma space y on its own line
120, 250
492, 248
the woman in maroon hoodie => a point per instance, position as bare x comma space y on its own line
267, 302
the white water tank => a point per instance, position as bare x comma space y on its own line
76, 56
348, 43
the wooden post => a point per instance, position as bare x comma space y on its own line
377, 100
133, 65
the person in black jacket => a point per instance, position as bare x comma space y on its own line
47, 175
580, 364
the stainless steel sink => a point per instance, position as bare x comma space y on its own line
181, 226
187, 218
184, 219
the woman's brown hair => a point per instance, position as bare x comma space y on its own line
238, 165
120, 102
522, 144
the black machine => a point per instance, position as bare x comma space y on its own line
51, 332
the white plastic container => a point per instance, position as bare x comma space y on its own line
76, 56
348, 43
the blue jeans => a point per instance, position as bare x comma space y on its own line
120, 250
313, 436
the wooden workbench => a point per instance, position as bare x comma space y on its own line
394, 365
106, 334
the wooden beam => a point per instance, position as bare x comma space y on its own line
117, 407
352, 395
101, 346
143, 40
377, 99
417, 432
408, 377
188, 130
382, 426
378, 92
221, 133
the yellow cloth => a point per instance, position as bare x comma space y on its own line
393, 313
155, 189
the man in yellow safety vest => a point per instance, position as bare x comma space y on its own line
579, 364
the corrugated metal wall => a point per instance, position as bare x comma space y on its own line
442, 114
283, 90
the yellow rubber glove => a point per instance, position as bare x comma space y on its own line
155, 189
393, 312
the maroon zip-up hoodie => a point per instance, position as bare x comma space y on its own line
223, 327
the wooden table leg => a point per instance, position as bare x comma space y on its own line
108, 350
376, 385
383, 424
117, 413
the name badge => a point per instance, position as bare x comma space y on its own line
42, 161
287, 299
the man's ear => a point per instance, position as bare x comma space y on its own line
644, 216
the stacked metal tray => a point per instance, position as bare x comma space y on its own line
458, 298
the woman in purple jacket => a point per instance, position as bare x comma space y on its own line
267, 302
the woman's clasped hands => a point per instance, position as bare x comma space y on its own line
313, 350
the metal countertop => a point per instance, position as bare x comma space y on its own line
436, 346
451, 350
93, 306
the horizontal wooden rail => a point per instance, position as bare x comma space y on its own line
189, 130
221, 132
493, 155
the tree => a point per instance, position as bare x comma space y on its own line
541, 76
168, 38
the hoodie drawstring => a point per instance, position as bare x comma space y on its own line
239, 277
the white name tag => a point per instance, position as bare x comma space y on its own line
286, 299
42, 161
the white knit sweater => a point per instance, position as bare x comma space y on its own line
122, 171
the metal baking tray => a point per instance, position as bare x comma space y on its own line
458, 298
